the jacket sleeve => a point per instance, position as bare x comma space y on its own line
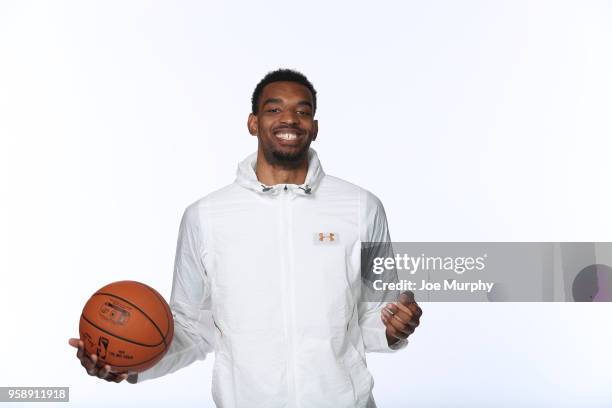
375, 242
190, 302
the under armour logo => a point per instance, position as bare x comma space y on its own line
326, 237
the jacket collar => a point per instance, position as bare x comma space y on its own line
246, 177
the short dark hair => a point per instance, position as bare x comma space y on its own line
282, 74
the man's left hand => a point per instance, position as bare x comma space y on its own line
401, 318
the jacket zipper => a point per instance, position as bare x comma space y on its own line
287, 295
292, 313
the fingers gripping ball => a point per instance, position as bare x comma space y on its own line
128, 325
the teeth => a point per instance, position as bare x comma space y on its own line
286, 136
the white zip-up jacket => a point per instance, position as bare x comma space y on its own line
268, 277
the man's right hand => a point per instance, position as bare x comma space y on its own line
90, 363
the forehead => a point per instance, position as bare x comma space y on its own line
285, 90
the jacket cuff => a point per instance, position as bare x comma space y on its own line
143, 376
375, 340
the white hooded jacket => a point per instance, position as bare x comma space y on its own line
268, 277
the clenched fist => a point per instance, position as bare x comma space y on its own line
401, 318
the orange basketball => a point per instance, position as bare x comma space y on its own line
128, 325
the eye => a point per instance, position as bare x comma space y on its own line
273, 110
304, 113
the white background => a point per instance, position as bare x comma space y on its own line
471, 120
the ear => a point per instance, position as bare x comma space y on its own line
252, 124
315, 130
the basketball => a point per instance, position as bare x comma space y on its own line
128, 325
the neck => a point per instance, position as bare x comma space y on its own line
271, 174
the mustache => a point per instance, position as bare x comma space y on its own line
296, 128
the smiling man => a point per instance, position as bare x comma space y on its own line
268, 273
283, 140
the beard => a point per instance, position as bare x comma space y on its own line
292, 159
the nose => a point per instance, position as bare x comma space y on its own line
289, 117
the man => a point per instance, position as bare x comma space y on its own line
268, 273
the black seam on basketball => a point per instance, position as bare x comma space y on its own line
120, 337
163, 302
139, 309
165, 306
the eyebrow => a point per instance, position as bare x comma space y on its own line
277, 100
